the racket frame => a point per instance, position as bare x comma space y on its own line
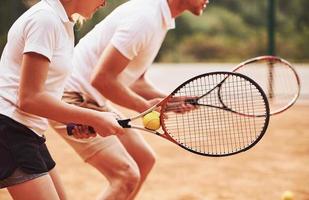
125, 123
276, 59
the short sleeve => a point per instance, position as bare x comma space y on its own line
131, 36
40, 34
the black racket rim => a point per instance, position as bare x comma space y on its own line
258, 87
262, 133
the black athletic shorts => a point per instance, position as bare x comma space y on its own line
22, 149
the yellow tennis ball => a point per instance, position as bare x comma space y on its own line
152, 120
287, 195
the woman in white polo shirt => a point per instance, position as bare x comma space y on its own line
34, 66
109, 64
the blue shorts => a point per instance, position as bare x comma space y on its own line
23, 154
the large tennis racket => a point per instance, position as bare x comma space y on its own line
229, 113
277, 78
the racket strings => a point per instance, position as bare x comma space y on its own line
214, 131
277, 78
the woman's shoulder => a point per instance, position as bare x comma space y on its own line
42, 15
34, 19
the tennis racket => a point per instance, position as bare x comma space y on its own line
229, 113
278, 79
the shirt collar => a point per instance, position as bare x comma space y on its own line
59, 10
168, 21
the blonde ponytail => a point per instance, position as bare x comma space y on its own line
78, 19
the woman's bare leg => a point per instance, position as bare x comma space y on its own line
39, 188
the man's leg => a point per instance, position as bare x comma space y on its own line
107, 155
120, 170
142, 154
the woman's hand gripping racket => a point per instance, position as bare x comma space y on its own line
277, 78
228, 114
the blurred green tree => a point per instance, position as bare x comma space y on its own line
227, 31
10, 10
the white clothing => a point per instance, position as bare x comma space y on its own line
44, 29
136, 29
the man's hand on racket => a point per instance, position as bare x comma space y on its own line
175, 104
180, 104
153, 102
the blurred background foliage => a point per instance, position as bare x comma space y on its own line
229, 30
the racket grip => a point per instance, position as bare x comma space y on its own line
71, 126
124, 123
192, 101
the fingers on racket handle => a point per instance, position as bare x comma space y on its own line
192, 101
124, 123
71, 126
91, 130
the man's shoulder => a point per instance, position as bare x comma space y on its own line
137, 10
144, 20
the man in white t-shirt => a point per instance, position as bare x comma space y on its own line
110, 63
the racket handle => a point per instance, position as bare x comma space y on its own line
71, 126
124, 123
192, 101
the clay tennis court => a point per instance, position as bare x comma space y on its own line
279, 162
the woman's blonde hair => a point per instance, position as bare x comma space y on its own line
78, 19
